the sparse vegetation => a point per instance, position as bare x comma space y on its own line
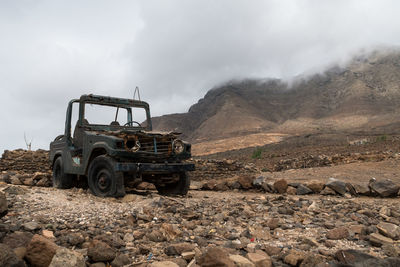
381, 138
257, 153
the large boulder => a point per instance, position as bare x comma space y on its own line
40, 251
67, 257
384, 188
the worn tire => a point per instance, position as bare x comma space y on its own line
103, 180
61, 180
180, 187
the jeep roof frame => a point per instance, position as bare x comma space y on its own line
106, 101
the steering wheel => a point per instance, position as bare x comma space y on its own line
129, 123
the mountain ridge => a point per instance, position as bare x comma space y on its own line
362, 95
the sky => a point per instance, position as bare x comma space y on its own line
175, 51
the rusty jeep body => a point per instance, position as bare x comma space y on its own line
114, 155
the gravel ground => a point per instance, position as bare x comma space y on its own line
145, 225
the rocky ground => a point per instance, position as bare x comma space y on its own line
236, 214
145, 228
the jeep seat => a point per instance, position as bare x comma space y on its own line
78, 133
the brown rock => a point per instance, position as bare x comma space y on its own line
271, 251
67, 257
215, 257
260, 260
20, 252
316, 186
389, 229
246, 182
100, 251
362, 189
164, 264
281, 186
273, 223
379, 240
328, 191
241, 261
291, 190
18, 239
178, 249
120, 260
8, 257
338, 233
40, 251
294, 257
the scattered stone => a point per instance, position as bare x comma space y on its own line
100, 251
48, 234
328, 191
294, 258
389, 229
384, 188
215, 257
260, 260
164, 264
362, 189
121, 260
40, 251
241, 261
291, 190
31, 226
18, 239
273, 223
8, 257
246, 182
337, 186
352, 256
129, 198
379, 240
338, 233
281, 186
303, 190
316, 186
67, 257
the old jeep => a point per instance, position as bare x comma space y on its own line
118, 152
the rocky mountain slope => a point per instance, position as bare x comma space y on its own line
364, 95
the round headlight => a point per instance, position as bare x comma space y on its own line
178, 146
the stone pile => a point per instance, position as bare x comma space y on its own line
219, 169
381, 188
311, 161
49, 227
25, 161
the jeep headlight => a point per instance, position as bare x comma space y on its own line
177, 146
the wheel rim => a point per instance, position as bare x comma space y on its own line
103, 181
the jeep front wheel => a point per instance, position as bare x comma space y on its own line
61, 180
103, 180
181, 187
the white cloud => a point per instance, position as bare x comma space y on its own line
52, 51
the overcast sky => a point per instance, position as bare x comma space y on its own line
175, 51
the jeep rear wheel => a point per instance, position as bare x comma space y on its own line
103, 180
61, 180
181, 187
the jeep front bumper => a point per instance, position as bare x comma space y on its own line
153, 167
